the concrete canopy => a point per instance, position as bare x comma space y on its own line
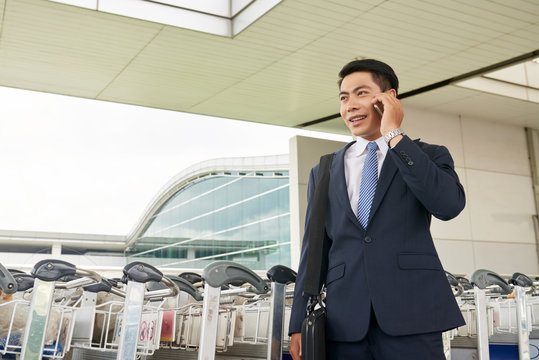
280, 70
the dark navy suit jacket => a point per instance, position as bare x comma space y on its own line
392, 265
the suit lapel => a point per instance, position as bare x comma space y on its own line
389, 169
338, 179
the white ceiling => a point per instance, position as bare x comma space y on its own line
280, 70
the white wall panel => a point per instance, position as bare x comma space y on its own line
457, 256
435, 128
506, 258
495, 147
501, 206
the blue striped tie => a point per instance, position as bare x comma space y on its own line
369, 179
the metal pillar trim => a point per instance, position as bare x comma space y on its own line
482, 323
276, 324
522, 324
210, 318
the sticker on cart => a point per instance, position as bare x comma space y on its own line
66, 331
143, 331
63, 334
151, 330
168, 325
147, 331
118, 330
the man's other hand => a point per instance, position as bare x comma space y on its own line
295, 346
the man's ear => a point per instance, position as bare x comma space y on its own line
392, 92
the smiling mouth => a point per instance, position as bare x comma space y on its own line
357, 118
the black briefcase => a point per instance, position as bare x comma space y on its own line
313, 335
313, 329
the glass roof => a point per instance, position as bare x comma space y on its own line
218, 17
520, 81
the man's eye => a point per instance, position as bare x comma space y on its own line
361, 93
343, 98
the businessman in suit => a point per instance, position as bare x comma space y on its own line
387, 295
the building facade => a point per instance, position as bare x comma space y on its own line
234, 209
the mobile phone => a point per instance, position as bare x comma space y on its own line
377, 108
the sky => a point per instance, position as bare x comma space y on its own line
85, 166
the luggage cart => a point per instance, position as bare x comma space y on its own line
14, 310
134, 329
96, 329
86, 312
447, 336
280, 276
34, 320
522, 286
481, 279
216, 275
177, 321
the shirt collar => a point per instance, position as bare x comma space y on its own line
361, 145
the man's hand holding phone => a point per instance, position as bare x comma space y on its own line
391, 112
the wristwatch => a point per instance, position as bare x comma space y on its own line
390, 135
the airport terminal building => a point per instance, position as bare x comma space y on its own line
225, 209
234, 209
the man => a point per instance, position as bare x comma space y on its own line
387, 296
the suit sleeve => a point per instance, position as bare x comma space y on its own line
430, 174
299, 305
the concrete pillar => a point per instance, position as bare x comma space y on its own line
56, 249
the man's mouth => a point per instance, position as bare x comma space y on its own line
353, 119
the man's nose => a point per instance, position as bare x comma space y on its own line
352, 105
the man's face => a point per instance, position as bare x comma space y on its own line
357, 90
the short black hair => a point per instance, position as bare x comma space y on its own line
382, 74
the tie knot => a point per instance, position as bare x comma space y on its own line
372, 145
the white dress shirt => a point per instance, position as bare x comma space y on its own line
354, 159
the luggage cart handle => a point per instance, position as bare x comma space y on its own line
455, 284
281, 274
519, 279
104, 285
223, 272
142, 273
483, 278
82, 278
191, 277
465, 283
171, 290
185, 286
182, 284
52, 270
24, 281
7, 282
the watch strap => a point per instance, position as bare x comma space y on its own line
390, 135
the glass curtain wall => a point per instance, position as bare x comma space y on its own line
238, 216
